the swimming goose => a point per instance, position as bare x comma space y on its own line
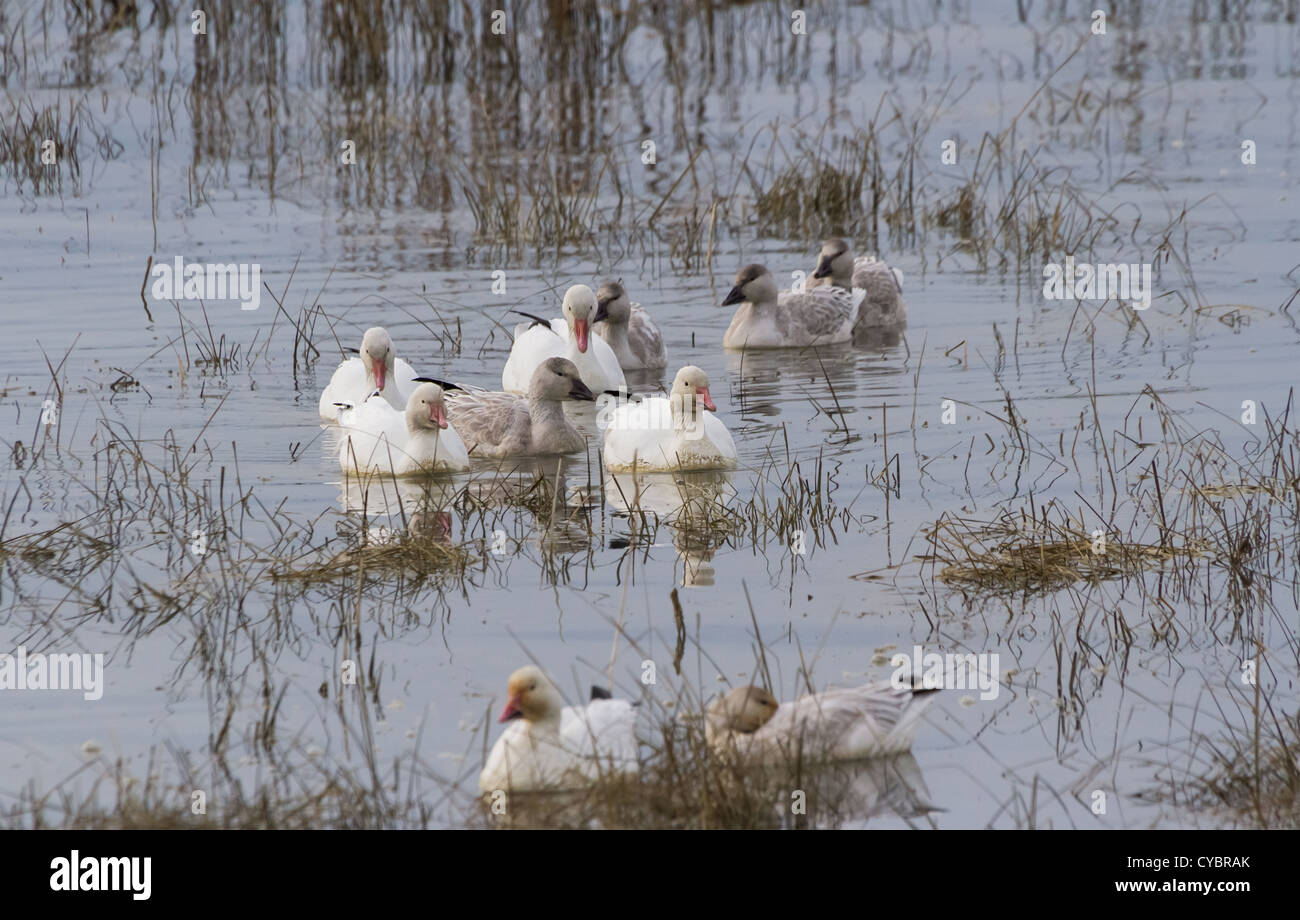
874, 720
378, 438
377, 367
496, 424
674, 433
877, 288
628, 329
566, 337
552, 746
771, 319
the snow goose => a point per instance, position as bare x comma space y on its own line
552, 746
379, 438
673, 433
376, 367
875, 720
628, 329
876, 288
771, 319
496, 424
564, 337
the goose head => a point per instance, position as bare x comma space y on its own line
557, 379
579, 309
426, 410
378, 356
743, 710
836, 262
613, 303
754, 284
531, 696
691, 385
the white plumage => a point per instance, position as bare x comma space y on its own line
378, 438
680, 432
551, 746
355, 378
567, 337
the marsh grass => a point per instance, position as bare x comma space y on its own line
529, 154
26, 129
1018, 554
1247, 786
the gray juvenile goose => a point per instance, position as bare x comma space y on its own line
628, 329
496, 424
768, 318
878, 287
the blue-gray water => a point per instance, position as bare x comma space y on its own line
1145, 121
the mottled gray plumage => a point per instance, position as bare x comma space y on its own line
869, 721
767, 318
628, 329
881, 305
497, 424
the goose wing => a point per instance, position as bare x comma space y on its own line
488, 419
822, 311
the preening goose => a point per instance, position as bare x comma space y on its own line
680, 432
552, 746
768, 318
566, 337
378, 438
628, 329
875, 720
377, 368
876, 288
496, 424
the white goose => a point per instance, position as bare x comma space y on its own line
497, 425
769, 318
377, 368
628, 329
875, 720
552, 746
877, 289
378, 438
566, 337
673, 433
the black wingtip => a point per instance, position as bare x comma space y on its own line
537, 320
600, 693
350, 350
446, 385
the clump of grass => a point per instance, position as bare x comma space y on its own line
960, 214
412, 551
820, 192
27, 132
1263, 790
1016, 553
